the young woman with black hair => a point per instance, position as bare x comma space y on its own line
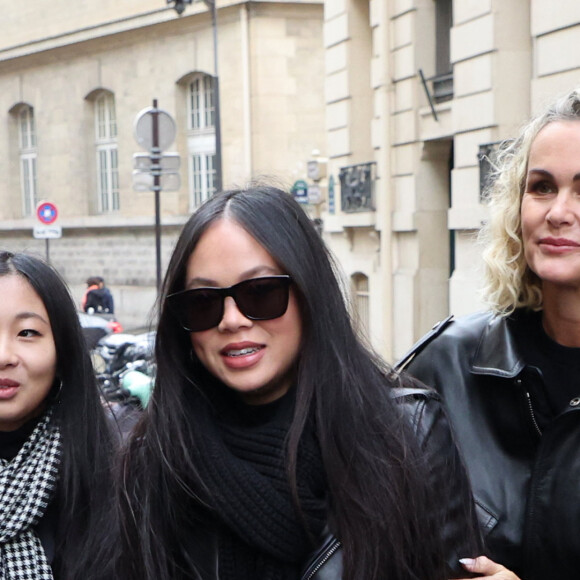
55, 447
273, 431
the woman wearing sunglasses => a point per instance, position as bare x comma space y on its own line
275, 445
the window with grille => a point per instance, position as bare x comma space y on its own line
106, 150
201, 138
28, 155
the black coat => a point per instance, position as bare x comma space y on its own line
446, 477
526, 482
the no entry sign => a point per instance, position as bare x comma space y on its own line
46, 212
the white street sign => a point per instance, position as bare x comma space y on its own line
47, 231
314, 194
167, 181
166, 161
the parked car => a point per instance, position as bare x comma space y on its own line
96, 326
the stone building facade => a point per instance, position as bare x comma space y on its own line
74, 76
417, 92
402, 99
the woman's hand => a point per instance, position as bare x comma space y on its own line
486, 568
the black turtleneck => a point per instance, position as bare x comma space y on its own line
12, 441
559, 365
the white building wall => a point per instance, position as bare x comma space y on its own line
508, 58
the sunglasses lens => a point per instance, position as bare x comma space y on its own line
198, 309
263, 298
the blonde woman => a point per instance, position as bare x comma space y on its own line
510, 377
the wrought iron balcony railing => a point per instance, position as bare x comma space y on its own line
357, 186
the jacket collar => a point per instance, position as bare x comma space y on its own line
497, 354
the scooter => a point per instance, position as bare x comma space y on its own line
125, 363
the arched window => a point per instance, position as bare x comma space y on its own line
201, 138
28, 155
361, 295
106, 151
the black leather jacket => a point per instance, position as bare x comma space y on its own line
526, 482
458, 525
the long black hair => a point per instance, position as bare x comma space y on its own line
378, 504
85, 521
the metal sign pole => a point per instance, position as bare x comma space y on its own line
155, 158
47, 246
218, 129
155, 130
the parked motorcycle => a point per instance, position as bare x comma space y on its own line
125, 370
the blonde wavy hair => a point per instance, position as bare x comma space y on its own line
510, 283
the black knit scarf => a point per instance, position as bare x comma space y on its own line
261, 534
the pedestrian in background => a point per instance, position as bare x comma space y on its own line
510, 377
98, 299
275, 445
92, 284
55, 446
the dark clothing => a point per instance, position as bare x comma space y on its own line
518, 436
446, 479
12, 441
557, 364
100, 300
260, 535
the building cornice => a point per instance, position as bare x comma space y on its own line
120, 25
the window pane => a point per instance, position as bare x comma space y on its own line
209, 102
24, 172
103, 180
196, 180
23, 130
360, 285
195, 103
114, 179
112, 117
27, 137
100, 110
34, 196
107, 156
202, 103
32, 133
210, 162
27, 141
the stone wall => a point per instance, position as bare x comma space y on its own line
125, 258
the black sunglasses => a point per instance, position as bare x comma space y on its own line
257, 299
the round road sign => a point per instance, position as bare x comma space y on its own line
46, 212
166, 128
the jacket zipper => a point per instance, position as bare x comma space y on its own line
533, 415
327, 555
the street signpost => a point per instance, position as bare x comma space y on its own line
155, 171
47, 214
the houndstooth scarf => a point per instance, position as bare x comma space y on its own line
27, 484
